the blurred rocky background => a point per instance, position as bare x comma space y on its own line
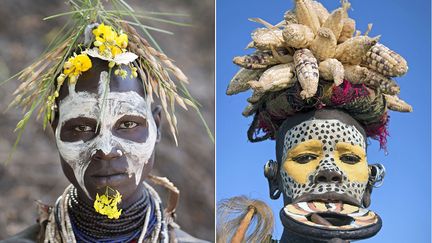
34, 172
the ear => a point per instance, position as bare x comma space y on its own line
157, 116
376, 178
366, 201
271, 172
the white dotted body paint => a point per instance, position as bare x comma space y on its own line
117, 104
329, 133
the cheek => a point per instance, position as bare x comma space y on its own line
300, 172
355, 173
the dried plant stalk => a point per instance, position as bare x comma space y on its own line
307, 72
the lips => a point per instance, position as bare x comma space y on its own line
328, 197
109, 176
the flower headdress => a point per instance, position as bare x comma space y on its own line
110, 37
315, 59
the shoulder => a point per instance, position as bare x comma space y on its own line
183, 237
28, 235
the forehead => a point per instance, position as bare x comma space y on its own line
329, 132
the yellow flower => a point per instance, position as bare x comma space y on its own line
107, 205
122, 41
76, 65
109, 43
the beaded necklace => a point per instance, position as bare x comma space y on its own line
67, 225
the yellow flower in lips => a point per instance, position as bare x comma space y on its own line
107, 205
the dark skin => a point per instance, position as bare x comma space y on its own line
128, 127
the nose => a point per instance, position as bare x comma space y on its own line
328, 176
113, 154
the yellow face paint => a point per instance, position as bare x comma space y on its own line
300, 172
357, 172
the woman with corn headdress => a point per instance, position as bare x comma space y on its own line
320, 89
95, 87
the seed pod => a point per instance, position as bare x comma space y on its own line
396, 104
262, 59
250, 109
353, 49
335, 21
332, 69
265, 39
385, 61
307, 72
321, 11
324, 44
275, 78
290, 17
239, 82
256, 96
361, 75
348, 29
306, 14
298, 36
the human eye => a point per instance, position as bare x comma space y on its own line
83, 128
128, 125
305, 158
350, 158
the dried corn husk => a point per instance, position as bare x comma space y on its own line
321, 12
250, 109
348, 29
306, 14
332, 69
385, 61
239, 82
335, 21
324, 44
262, 59
265, 39
396, 104
275, 78
298, 36
352, 50
307, 72
361, 75
290, 17
256, 96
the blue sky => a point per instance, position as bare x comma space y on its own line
404, 200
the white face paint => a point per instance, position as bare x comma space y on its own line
117, 104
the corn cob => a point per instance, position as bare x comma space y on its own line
262, 59
396, 104
250, 109
265, 39
324, 44
307, 72
256, 96
348, 29
385, 61
290, 17
361, 75
352, 50
332, 69
298, 36
321, 12
306, 14
239, 82
275, 78
335, 21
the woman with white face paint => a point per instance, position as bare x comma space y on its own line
97, 88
